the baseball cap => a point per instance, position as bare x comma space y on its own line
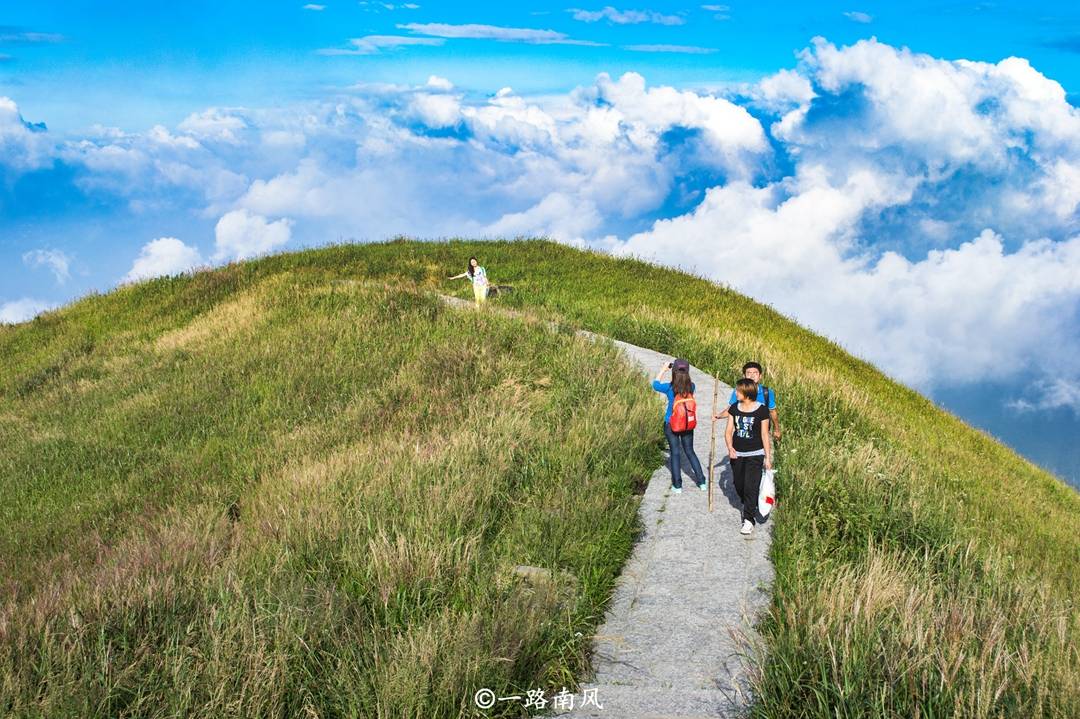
680, 364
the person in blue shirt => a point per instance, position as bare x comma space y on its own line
765, 395
678, 442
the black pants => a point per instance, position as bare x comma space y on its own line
746, 475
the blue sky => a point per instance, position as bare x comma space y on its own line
136, 64
907, 176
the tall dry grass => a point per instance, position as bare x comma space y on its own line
388, 461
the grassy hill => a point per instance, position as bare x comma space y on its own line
298, 486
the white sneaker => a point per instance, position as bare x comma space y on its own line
747, 527
676, 490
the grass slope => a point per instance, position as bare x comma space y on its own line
922, 569
274, 494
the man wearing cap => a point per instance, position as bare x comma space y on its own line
765, 395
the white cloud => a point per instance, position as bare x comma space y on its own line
494, 32
241, 235
728, 128
965, 314
284, 139
215, 124
58, 262
163, 256
951, 111
783, 90
23, 147
625, 17
439, 83
437, 111
22, 310
1003, 130
1057, 394
160, 167
685, 49
1058, 191
373, 44
112, 159
857, 16
101, 132
558, 216
313, 6
605, 146
160, 135
720, 11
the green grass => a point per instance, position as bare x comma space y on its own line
300, 497
922, 569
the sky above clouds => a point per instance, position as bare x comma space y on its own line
904, 180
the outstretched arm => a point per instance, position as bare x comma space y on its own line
457, 277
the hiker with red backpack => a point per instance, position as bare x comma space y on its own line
680, 418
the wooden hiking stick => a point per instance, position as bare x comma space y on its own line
712, 439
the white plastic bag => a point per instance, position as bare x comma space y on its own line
767, 493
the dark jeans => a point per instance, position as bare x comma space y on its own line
746, 476
679, 443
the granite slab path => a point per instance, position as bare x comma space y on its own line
674, 640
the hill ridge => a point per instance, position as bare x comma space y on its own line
920, 568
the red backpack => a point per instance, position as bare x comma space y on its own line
683, 413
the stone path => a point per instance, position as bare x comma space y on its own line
673, 639
671, 643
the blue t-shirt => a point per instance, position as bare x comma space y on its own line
665, 388
760, 397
